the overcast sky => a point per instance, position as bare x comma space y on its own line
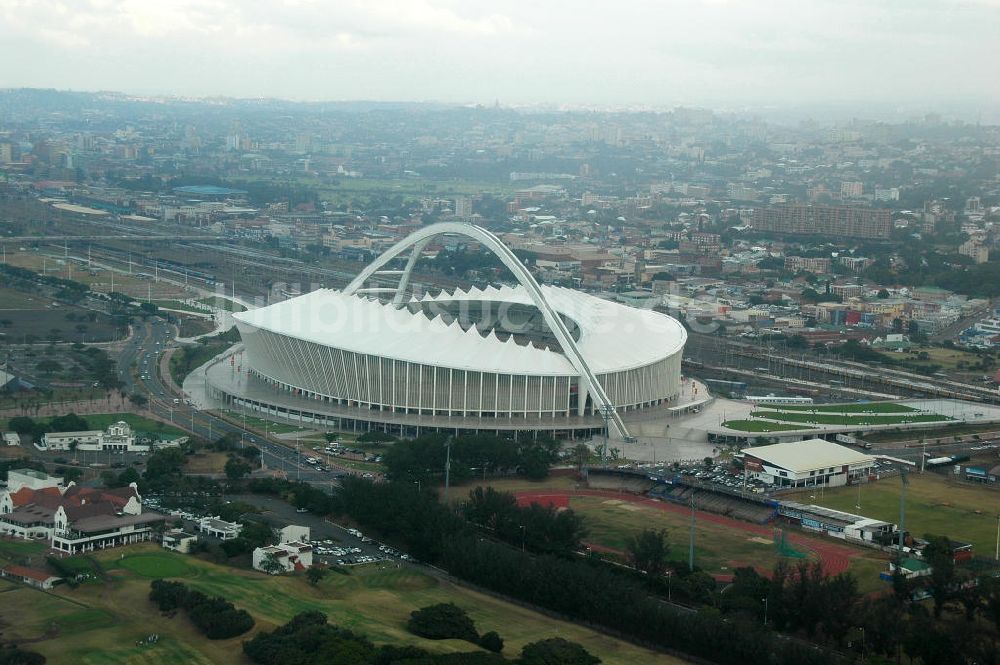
611, 52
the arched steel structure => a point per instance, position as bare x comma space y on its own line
589, 384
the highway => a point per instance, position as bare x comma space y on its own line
144, 349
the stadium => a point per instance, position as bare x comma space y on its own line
509, 358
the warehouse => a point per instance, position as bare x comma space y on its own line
808, 463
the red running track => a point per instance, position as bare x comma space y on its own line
834, 558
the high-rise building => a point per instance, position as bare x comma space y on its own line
837, 221
463, 207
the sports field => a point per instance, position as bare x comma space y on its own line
853, 407
721, 543
105, 621
933, 506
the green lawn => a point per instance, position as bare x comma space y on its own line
854, 407
181, 306
138, 423
933, 506
223, 303
834, 419
718, 549
106, 620
156, 565
759, 426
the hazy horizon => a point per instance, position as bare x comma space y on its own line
914, 55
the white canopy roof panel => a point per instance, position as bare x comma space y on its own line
613, 337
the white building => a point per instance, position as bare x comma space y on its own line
294, 532
11, 439
76, 519
179, 540
117, 437
290, 556
807, 463
30, 478
220, 529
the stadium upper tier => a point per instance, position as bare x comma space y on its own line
463, 353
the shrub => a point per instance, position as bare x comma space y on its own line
441, 622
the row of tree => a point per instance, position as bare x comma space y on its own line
587, 591
424, 458
309, 639
536, 528
215, 617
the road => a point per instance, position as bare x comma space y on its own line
144, 349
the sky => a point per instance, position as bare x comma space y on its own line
607, 53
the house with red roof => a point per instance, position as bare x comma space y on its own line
76, 519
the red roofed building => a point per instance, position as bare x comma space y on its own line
30, 576
77, 519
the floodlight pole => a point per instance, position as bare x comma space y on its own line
691, 543
447, 469
902, 507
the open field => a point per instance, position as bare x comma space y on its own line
836, 419
946, 359
202, 462
132, 285
25, 316
138, 423
223, 303
855, 407
721, 543
759, 426
718, 549
192, 325
932, 506
106, 620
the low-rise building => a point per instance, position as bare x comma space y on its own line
30, 478
76, 519
220, 529
290, 557
117, 437
807, 463
294, 532
39, 579
179, 540
11, 439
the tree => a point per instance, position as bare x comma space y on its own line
236, 468
270, 565
314, 575
882, 294
491, 641
442, 622
938, 555
138, 399
648, 551
556, 651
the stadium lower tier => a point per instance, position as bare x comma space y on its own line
233, 387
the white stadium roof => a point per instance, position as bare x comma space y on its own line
613, 337
809, 455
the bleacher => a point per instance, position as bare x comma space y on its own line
618, 480
758, 511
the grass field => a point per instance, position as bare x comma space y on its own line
138, 423
718, 549
855, 407
759, 426
836, 419
202, 462
223, 303
932, 506
105, 621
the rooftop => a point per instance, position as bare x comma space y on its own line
809, 455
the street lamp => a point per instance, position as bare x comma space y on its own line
765, 609
522, 538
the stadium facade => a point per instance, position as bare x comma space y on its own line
523, 358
